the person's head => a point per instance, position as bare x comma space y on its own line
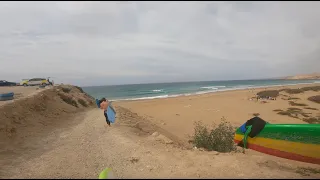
103, 103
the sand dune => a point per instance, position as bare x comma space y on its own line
304, 76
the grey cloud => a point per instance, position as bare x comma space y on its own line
136, 42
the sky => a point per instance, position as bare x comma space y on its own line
104, 43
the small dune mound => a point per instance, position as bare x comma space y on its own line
29, 116
315, 99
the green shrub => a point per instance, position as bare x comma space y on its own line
68, 100
83, 102
315, 99
220, 138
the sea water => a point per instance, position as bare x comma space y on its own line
166, 90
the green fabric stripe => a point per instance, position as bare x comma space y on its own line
304, 133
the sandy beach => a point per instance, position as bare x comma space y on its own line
178, 115
45, 137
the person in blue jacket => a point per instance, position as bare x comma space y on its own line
103, 104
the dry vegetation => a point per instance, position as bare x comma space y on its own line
293, 112
315, 99
269, 93
219, 138
68, 100
82, 102
275, 93
301, 90
312, 120
296, 104
66, 90
310, 108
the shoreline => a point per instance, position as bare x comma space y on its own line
200, 93
178, 114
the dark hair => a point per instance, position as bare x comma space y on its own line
102, 100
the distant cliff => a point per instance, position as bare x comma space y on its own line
304, 76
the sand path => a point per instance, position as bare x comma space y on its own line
83, 150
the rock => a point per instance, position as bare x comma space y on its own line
155, 134
164, 139
214, 153
163, 123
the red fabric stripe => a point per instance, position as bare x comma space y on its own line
282, 154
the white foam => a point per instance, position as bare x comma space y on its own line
212, 87
157, 90
143, 98
240, 87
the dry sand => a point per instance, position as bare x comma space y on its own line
78, 145
178, 115
20, 92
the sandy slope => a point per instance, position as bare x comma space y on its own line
87, 147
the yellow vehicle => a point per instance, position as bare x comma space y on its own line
34, 82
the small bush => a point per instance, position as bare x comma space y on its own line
311, 108
220, 138
270, 93
68, 100
66, 90
79, 88
296, 104
315, 99
82, 102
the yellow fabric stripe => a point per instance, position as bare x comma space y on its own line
310, 150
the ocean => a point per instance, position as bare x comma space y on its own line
165, 90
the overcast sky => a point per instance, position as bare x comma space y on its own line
98, 43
